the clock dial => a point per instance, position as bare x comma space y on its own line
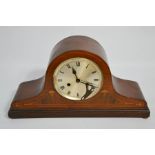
78, 78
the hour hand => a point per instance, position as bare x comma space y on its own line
74, 72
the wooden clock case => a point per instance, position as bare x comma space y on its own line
117, 97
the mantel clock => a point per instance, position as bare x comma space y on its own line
78, 83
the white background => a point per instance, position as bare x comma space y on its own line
24, 56
78, 13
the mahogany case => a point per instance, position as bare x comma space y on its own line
117, 97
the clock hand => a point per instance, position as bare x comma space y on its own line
74, 72
81, 81
88, 83
88, 91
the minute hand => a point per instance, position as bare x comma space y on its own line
88, 83
88, 90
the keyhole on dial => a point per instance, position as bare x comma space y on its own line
68, 84
77, 80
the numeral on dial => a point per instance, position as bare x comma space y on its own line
68, 92
93, 72
59, 80
78, 63
62, 72
96, 79
62, 87
87, 66
68, 65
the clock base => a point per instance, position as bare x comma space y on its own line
78, 113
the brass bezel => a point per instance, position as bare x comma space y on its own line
55, 82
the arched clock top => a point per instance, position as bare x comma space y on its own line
78, 43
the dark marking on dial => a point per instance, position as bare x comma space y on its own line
77, 94
94, 72
62, 72
96, 79
87, 66
62, 87
89, 90
68, 84
77, 63
68, 65
59, 80
69, 92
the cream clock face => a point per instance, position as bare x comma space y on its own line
78, 79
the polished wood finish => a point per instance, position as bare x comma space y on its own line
117, 97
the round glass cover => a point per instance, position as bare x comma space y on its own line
78, 78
